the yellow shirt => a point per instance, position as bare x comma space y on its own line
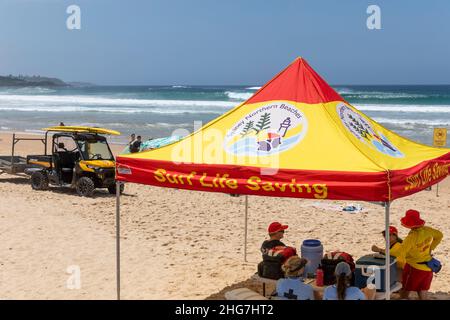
395, 252
417, 247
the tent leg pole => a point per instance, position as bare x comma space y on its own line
118, 238
245, 232
387, 285
437, 189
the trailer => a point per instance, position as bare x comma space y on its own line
17, 165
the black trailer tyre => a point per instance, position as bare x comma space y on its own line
85, 187
112, 188
39, 180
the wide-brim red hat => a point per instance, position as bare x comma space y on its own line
412, 219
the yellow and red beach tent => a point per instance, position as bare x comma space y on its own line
295, 137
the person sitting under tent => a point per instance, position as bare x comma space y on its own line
416, 251
274, 253
342, 289
276, 233
292, 286
395, 247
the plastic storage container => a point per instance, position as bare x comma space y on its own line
312, 250
375, 268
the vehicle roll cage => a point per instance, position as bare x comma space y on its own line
45, 140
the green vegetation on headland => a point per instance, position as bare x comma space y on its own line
31, 81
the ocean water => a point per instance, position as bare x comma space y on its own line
156, 111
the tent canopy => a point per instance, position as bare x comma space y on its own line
295, 137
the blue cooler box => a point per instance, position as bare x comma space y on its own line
375, 268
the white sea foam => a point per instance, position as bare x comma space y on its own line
105, 124
37, 101
404, 108
78, 103
412, 123
384, 95
242, 96
367, 94
72, 109
26, 90
168, 125
253, 88
344, 91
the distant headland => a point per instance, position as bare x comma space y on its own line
37, 81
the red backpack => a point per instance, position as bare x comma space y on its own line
282, 252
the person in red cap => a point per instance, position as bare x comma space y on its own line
395, 247
415, 251
276, 233
274, 253
395, 244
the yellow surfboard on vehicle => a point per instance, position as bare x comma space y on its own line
82, 129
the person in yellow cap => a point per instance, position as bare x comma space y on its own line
415, 251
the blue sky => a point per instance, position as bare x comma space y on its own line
226, 42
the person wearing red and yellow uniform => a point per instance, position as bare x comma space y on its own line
395, 246
415, 251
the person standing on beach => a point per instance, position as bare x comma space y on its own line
416, 252
135, 146
132, 139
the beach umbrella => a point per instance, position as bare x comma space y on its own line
295, 137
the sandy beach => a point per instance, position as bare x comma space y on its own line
176, 244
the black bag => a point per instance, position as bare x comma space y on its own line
329, 263
328, 267
270, 268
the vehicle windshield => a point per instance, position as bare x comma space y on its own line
95, 150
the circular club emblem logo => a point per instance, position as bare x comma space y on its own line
268, 130
363, 130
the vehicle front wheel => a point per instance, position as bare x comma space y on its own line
112, 188
39, 180
85, 187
